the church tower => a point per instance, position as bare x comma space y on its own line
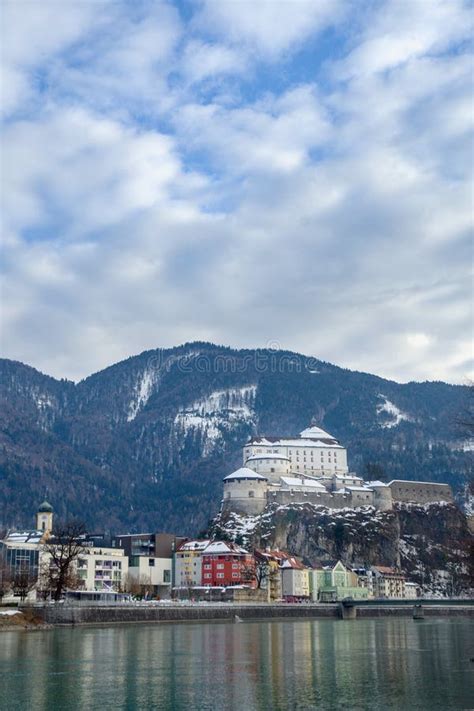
44, 518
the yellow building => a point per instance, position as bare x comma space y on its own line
188, 564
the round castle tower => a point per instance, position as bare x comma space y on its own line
245, 492
271, 466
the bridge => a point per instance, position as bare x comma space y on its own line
348, 607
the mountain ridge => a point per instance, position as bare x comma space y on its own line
146, 441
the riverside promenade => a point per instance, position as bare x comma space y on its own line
120, 613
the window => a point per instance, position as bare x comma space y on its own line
220, 575
207, 575
235, 575
251, 494
151, 562
220, 566
167, 575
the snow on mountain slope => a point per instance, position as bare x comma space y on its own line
217, 412
142, 391
391, 414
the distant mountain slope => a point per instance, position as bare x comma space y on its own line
146, 442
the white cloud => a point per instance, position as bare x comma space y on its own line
267, 26
404, 30
33, 33
203, 59
143, 208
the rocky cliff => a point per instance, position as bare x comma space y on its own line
431, 543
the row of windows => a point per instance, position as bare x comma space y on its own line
292, 452
220, 575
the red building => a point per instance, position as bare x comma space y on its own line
225, 564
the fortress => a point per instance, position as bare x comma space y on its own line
313, 468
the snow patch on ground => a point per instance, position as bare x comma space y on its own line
392, 415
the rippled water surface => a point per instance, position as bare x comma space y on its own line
325, 664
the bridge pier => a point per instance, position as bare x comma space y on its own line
347, 611
418, 612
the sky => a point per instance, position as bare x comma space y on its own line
288, 172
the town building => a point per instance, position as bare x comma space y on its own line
101, 569
388, 582
268, 566
225, 563
151, 561
333, 582
295, 584
312, 468
188, 563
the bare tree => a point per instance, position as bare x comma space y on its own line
60, 553
5, 577
260, 572
465, 419
138, 585
23, 581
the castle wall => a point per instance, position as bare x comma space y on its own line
420, 492
334, 500
383, 499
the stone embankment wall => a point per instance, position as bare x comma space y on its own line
118, 614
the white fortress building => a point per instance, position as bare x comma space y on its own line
312, 467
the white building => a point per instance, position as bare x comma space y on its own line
314, 452
102, 569
312, 468
294, 580
151, 574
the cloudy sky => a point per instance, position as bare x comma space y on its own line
294, 172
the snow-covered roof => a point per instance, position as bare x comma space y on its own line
291, 481
296, 481
193, 545
348, 476
223, 547
267, 455
322, 442
244, 473
407, 481
24, 537
376, 483
358, 488
315, 432
293, 563
314, 484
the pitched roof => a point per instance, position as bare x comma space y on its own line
267, 455
244, 473
193, 546
385, 570
223, 547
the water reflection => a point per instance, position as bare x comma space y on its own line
327, 664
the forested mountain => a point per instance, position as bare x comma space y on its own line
145, 443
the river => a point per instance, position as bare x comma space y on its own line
296, 665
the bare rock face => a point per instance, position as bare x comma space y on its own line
430, 543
